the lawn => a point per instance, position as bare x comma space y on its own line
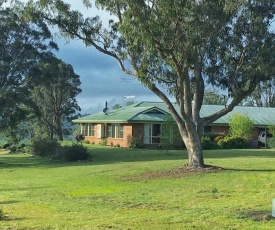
138, 189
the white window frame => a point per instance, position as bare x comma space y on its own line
148, 134
115, 131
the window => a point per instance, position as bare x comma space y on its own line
152, 133
88, 129
115, 130
83, 129
91, 130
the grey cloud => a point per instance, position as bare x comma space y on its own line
101, 78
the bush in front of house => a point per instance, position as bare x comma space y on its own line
271, 143
217, 138
233, 142
241, 125
103, 142
86, 142
19, 148
213, 136
74, 152
135, 142
44, 147
207, 143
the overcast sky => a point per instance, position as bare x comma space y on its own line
101, 78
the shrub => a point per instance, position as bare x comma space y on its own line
135, 142
170, 137
271, 130
233, 142
44, 147
217, 138
241, 125
207, 143
103, 142
19, 148
13, 149
271, 143
74, 152
213, 136
86, 142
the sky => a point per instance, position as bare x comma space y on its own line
100, 75
101, 78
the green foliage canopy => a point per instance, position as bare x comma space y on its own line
240, 125
178, 47
21, 46
53, 87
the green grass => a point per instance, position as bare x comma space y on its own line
128, 189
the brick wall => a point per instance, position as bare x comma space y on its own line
137, 130
225, 129
219, 129
122, 142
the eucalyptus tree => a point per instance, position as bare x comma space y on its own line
117, 106
53, 87
263, 95
21, 45
211, 97
178, 47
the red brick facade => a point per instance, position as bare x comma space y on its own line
121, 142
137, 130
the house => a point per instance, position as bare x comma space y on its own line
143, 121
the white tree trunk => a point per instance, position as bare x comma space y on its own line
195, 155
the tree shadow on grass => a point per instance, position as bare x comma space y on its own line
256, 215
98, 157
10, 218
9, 202
108, 155
249, 170
235, 153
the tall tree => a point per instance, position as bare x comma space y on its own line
211, 97
179, 46
53, 87
263, 95
21, 45
117, 106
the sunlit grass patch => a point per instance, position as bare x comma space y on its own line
138, 189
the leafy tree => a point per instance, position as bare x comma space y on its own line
21, 46
53, 88
211, 97
179, 47
170, 137
117, 106
271, 138
263, 95
240, 125
130, 103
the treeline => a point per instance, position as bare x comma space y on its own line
37, 90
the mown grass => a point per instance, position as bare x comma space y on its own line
138, 189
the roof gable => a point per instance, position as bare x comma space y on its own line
126, 114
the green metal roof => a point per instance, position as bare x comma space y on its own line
132, 113
156, 112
